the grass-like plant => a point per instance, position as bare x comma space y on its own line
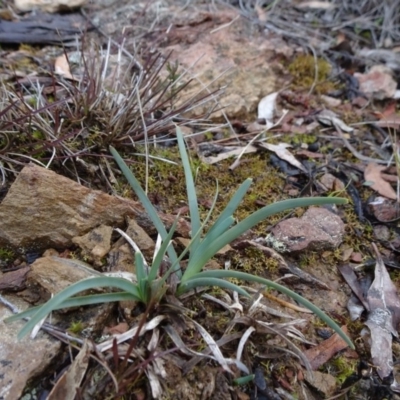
72, 122
151, 286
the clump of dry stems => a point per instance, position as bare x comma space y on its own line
105, 101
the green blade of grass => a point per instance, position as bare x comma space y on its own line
141, 275
155, 266
244, 380
211, 236
191, 192
253, 278
199, 281
151, 211
232, 205
59, 298
196, 264
76, 302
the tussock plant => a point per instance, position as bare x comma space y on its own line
151, 284
101, 99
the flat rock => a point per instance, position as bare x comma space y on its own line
222, 49
43, 209
50, 275
22, 361
318, 229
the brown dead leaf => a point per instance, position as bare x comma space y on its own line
323, 352
61, 67
372, 174
67, 385
388, 111
389, 121
122, 327
383, 318
351, 278
309, 154
282, 152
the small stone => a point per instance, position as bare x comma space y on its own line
383, 209
377, 83
356, 257
325, 383
331, 182
318, 229
96, 243
381, 232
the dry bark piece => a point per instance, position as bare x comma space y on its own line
43, 209
66, 387
48, 6
43, 29
282, 152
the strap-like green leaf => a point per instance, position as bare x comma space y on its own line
59, 298
141, 275
191, 192
233, 204
210, 237
76, 302
155, 267
151, 211
199, 281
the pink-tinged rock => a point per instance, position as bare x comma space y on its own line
43, 209
377, 83
383, 209
318, 229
